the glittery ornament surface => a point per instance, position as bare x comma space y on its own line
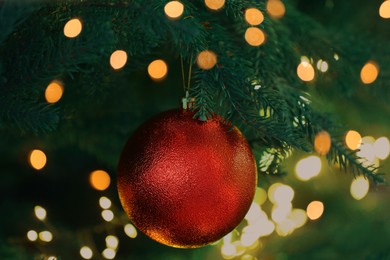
184, 182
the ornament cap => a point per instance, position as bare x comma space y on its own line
188, 102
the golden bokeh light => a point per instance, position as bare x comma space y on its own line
104, 202
37, 159
260, 196
384, 9
254, 16
73, 28
99, 180
382, 148
40, 212
254, 36
271, 191
206, 60
228, 251
276, 8
118, 59
353, 140
109, 253
281, 212
32, 235
158, 70
130, 231
174, 9
305, 71
214, 4
369, 72
359, 188
322, 66
283, 194
367, 151
315, 209
54, 91
299, 217
112, 241
308, 168
253, 213
86, 252
107, 215
46, 236
322, 143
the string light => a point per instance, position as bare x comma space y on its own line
369, 72
130, 231
52, 258
214, 4
40, 212
276, 8
46, 236
315, 209
299, 217
305, 71
228, 251
73, 28
271, 191
99, 180
254, 36
260, 196
384, 9
86, 252
382, 148
158, 70
32, 235
109, 253
353, 139
118, 59
53, 92
283, 193
206, 59
254, 16
107, 215
359, 188
174, 9
37, 159
322, 66
104, 202
112, 242
322, 143
308, 168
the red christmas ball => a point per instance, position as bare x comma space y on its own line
184, 182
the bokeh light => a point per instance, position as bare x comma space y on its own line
109, 253
254, 36
54, 91
40, 212
299, 217
86, 252
107, 215
382, 148
46, 236
315, 209
206, 59
214, 4
260, 196
322, 66
384, 9
118, 59
158, 70
254, 16
276, 8
353, 139
367, 151
104, 202
99, 180
308, 168
283, 193
174, 9
322, 143
228, 251
359, 188
32, 235
271, 191
305, 71
130, 231
112, 241
37, 159
281, 212
369, 72
73, 28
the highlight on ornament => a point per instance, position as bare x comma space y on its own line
206, 59
254, 16
54, 91
275, 8
384, 9
322, 143
353, 139
37, 159
359, 187
158, 70
214, 4
73, 28
314, 210
254, 36
174, 9
118, 59
99, 180
369, 72
305, 70
308, 168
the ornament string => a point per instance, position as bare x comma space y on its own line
186, 100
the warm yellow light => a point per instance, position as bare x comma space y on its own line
353, 139
174, 9
254, 16
206, 60
305, 71
109, 253
107, 215
100, 180
228, 250
73, 28
130, 231
271, 191
283, 193
359, 188
382, 148
315, 209
367, 150
254, 36
276, 8
157, 70
249, 238
46, 236
308, 168
37, 159
322, 143
214, 4
53, 92
253, 212
104, 202
369, 72
263, 227
112, 242
322, 66
299, 217
40, 212
281, 212
52, 258
384, 9
260, 196
32, 235
118, 59
86, 252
